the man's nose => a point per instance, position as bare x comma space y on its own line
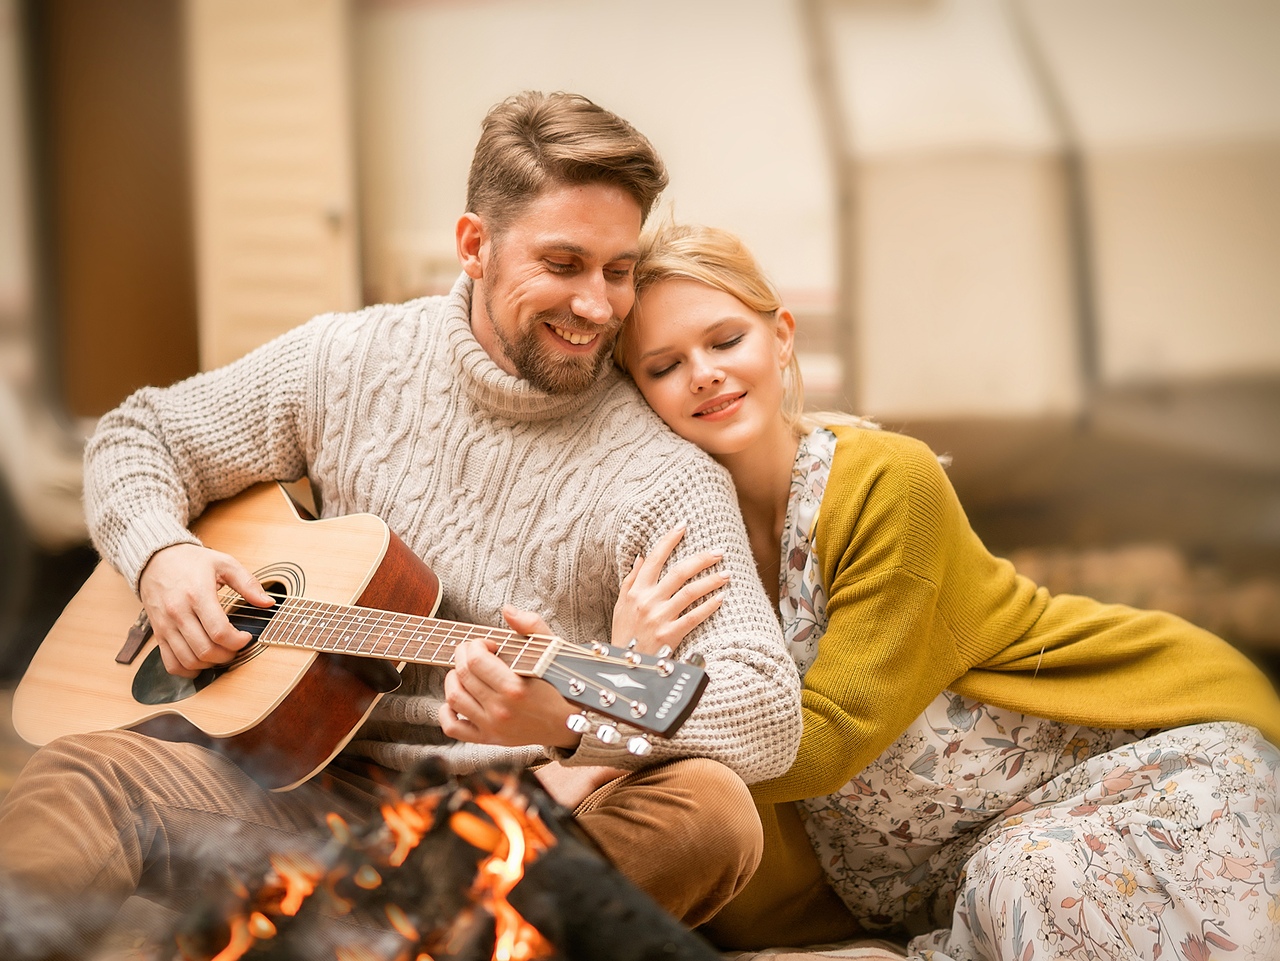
591, 300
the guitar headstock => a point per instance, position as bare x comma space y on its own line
653, 693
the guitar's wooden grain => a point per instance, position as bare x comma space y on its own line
288, 710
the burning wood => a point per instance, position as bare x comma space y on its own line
485, 868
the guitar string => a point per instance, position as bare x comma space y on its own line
539, 642
535, 640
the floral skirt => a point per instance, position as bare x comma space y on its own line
1166, 847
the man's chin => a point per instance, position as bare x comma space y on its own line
559, 374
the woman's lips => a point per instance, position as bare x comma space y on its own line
724, 404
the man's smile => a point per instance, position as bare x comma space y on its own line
574, 337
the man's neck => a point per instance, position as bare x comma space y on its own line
485, 333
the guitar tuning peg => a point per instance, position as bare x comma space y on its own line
608, 734
631, 644
696, 660
665, 667
578, 723
639, 745
664, 651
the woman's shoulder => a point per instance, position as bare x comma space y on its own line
888, 502
875, 453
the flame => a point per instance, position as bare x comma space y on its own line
407, 826
502, 823
526, 838
241, 941
299, 874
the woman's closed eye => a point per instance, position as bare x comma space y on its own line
731, 342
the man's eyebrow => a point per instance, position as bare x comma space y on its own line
566, 247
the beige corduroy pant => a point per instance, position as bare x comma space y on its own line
94, 819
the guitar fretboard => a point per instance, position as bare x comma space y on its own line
365, 632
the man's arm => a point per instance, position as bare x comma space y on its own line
158, 459
749, 715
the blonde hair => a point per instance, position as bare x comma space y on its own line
722, 261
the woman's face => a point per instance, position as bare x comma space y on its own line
710, 365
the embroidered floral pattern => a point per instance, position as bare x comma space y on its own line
802, 601
990, 834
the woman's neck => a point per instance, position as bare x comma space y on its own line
762, 476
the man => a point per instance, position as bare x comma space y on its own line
489, 430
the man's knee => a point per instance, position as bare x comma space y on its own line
724, 821
685, 831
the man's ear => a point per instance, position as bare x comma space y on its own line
470, 238
786, 331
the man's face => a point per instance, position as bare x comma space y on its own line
553, 287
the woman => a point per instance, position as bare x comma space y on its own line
989, 770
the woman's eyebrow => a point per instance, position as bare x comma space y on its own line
710, 329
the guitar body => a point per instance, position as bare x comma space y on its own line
281, 714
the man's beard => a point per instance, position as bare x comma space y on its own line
541, 365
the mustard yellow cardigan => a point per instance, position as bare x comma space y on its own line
917, 605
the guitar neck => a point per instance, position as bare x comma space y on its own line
365, 632
651, 692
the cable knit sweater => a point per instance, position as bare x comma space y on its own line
511, 496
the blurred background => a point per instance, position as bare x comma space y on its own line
1042, 235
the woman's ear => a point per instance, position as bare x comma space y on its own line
470, 237
786, 331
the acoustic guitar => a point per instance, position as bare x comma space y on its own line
354, 606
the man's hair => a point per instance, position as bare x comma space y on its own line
535, 140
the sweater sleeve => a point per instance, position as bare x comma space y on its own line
913, 600
156, 461
748, 718
917, 605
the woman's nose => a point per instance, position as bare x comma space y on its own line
705, 374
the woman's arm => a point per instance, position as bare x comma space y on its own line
913, 601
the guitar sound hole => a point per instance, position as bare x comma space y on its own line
155, 685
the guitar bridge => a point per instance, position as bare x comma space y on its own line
137, 636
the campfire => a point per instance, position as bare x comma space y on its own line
451, 869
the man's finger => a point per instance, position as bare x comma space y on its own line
524, 622
176, 650
234, 575
486, 672
480, 672
457, 726
224, 640
460, 701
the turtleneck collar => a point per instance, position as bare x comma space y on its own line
493, 388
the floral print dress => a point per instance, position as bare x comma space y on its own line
982, 833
